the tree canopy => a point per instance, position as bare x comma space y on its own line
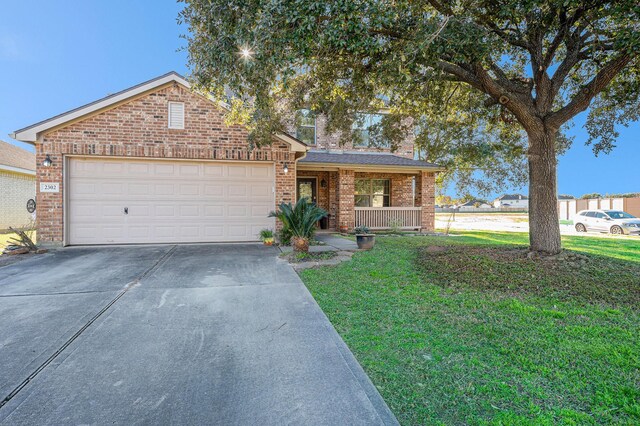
485, 85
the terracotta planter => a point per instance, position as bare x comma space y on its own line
300, 244
365, 241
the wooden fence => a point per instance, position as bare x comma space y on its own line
567, 209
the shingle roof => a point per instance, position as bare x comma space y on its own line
365, 159
507, 197
11, 155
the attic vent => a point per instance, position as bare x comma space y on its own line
176, 115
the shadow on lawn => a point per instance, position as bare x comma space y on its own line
505, 269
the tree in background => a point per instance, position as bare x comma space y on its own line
490, 85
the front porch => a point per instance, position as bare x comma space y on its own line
378, 196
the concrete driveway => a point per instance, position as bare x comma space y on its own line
193, 334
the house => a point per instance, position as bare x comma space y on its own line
474, 204
512, 200
156, 163
17, 185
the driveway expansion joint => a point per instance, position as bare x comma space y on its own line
82, 329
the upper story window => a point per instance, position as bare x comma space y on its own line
306, 126
176, 115
361, 128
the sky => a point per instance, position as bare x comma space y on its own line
57, 55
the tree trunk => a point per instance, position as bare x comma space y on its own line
544, 224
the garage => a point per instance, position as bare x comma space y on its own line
133, 201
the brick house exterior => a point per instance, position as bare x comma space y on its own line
133, 126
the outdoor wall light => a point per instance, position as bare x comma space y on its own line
285, 169
47, 161
323, 183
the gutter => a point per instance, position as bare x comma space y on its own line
17, 170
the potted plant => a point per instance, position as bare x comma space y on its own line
299, 221
364, 239
266, 236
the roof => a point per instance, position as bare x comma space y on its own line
365, 159
507, 197
472, 203
30, 133
16, 159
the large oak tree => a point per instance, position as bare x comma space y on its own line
488, 84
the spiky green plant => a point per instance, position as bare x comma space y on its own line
300, 218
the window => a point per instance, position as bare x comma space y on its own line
361, 128
176, 115
590, 214
306, 126
600, 215
372, 192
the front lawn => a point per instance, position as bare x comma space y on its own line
467, 330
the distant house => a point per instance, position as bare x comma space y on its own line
474, 204
512, 200
17, 184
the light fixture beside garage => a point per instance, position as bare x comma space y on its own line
285, 169
47, 161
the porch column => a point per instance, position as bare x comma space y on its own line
285, 190
426, 197
345, 195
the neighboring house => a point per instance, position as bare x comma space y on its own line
474, 204
512, 200
157, 164
17, 185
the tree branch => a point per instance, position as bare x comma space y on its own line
583, 98
460, 73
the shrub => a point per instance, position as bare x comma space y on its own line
284, 236
361, 230
395, 226
266, 234
299, 220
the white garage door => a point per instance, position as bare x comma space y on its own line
138, 201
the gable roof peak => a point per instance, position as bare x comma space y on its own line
30, 133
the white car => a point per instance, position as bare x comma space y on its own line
613, 221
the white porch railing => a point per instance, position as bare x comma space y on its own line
388, 217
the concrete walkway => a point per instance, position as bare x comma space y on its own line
337, 242
197, 334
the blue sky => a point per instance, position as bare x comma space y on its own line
55, 56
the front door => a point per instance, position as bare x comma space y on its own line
307, 189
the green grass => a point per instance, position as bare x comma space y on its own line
472, 332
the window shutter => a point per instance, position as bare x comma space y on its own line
176, 115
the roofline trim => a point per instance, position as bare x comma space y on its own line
371, 166
30, 133
17, 170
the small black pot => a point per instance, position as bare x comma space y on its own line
365, 241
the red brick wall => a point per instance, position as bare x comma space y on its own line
345, 199
331, 141
426, 197
138, 128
